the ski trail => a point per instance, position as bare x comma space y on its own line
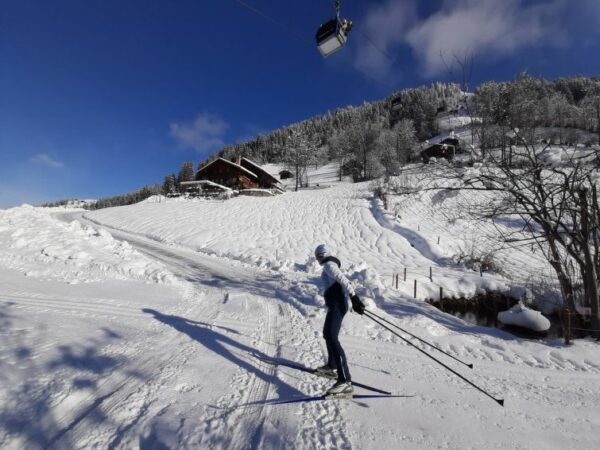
250, 300
323, 424
247, 427
248, 386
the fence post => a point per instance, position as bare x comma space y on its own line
397, 276
438, 240
405, 274
430, 274
415, 294
442, 298
480, 271
568, 327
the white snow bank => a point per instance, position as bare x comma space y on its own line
281, 232
522, 316
34, 242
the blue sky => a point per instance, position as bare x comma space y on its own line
99, 97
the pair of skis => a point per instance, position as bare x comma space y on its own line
292, 365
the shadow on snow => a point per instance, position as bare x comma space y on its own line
206, 335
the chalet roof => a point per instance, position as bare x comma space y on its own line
444, 139
231, 163
450, 139
439, 146
204, 183
257, 168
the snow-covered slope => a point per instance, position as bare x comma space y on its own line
321, 176
122, 361
39, 245
281, 233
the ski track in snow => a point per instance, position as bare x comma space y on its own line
188, 377
254, 426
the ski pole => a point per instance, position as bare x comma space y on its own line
499, 401
470, 366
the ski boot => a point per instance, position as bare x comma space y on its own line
340, 389
326, 371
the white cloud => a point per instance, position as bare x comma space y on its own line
204, 133
489, 28
44, 159
384, 28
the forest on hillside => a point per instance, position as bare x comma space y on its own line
377, 138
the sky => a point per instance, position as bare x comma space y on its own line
100, 97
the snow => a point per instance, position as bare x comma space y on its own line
522, 316
451, 121
38, 245
158, 343
257, 192
322, 176
205, 183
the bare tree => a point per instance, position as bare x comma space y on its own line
591, 109
300, 153
553, 192
340, 150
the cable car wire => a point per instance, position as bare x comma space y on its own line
302, 38
337, 7
374, 45
274, 21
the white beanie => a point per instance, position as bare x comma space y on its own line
321, 250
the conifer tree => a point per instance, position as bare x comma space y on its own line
168, 186
186, 173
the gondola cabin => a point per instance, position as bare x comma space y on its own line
332, 35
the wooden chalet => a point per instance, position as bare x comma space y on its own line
447, 149
239, 174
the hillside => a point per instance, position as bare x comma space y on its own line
177, 360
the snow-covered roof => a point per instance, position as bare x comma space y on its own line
205, 183
253, 164
253, 191
229, 162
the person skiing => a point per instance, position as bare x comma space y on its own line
336, 289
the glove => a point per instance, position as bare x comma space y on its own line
357, 305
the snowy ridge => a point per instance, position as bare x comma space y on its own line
36, 243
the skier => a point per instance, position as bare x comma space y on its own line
336, 288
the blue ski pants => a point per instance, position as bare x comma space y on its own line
337, 307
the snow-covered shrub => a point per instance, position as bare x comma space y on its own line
473, 255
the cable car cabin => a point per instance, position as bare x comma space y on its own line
332, 35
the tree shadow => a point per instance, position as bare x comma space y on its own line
28, 414
206, 335
86, 359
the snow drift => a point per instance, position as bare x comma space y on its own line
39, 245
